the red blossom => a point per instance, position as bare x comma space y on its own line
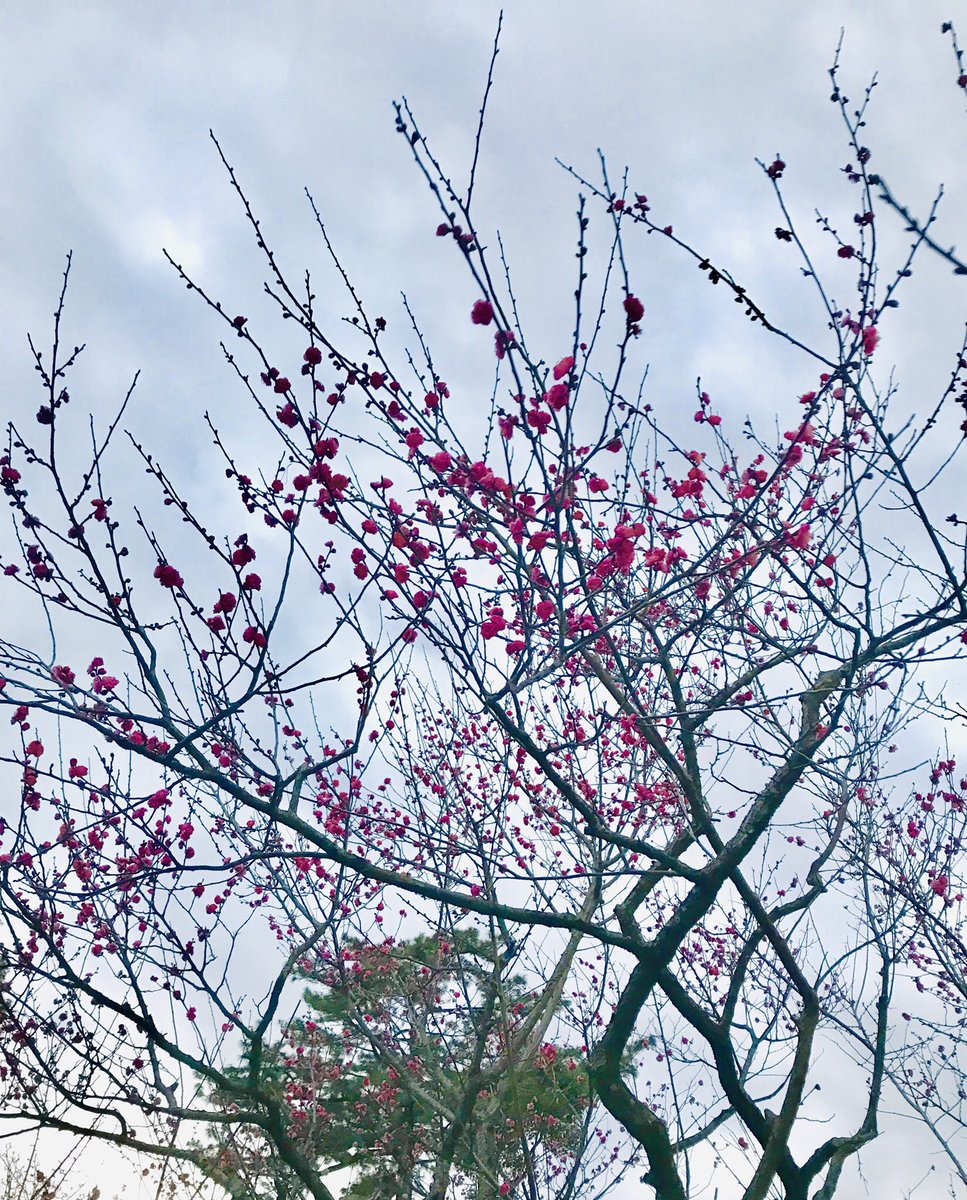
168, 576
288, 414
482, 313
634, 309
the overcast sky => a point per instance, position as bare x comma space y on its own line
105, 150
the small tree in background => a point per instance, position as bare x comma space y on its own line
602, 699
376, 1073
23, 1178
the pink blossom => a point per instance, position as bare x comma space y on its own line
539, 420
557, 397
495, 624
801, 538
564, 367
507, 426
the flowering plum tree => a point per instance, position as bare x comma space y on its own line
576, 714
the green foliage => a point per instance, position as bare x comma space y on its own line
397, 1040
